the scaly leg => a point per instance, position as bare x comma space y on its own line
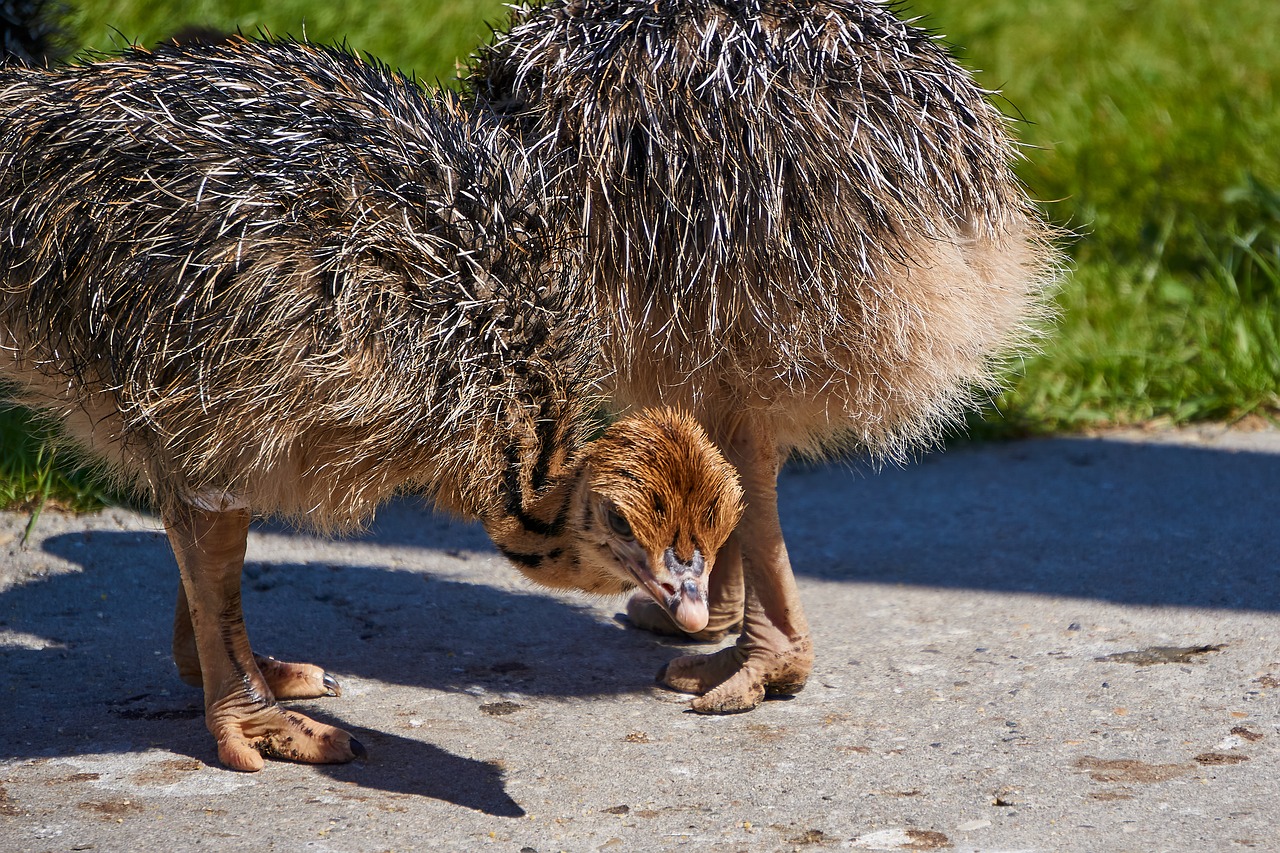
774, 654
727, 594
286, 680
240, 709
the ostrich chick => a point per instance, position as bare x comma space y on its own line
273, 278
801, 224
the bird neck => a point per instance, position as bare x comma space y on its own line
532, 528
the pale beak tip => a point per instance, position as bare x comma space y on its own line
691, 614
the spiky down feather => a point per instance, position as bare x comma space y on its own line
807, 202
279, 271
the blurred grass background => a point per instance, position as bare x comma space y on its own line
1151, 130
1153, 126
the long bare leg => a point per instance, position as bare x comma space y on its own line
240, 709
774, 654
726, 592
286, 680
185, 654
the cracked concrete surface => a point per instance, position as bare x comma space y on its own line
1058, 644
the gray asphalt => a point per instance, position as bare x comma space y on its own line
1060, 644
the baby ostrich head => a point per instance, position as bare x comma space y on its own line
648, 504
658, 503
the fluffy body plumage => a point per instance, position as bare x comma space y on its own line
801, 222
288, 237
273, 277
805, 206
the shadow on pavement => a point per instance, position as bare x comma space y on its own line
1098, 519
100, 679
1105, 520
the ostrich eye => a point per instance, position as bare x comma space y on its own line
619, 525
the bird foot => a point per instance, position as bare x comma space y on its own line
736, 679
247, 738
297, 680
646, 614
286, 680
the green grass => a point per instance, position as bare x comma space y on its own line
33, 470
423, 37
1151, 128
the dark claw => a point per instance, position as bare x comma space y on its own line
331, 687
357, 748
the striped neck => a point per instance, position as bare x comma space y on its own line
544, 488
533, 531
602, 515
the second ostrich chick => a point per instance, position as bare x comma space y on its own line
802, 224
273, 278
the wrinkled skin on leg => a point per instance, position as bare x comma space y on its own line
240, 708
774, 654
286, 680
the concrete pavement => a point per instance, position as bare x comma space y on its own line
1061, 644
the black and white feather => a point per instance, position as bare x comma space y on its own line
238, 266
807, 201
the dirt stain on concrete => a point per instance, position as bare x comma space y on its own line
111, 809
1128, 771
1161, 654
167, 772
926, 839
766, 733
8, 806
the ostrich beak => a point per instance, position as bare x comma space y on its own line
688, 607
683, 593
687, 600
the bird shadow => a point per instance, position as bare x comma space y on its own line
362, 622
395, 764
1091, 518
1095, 519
